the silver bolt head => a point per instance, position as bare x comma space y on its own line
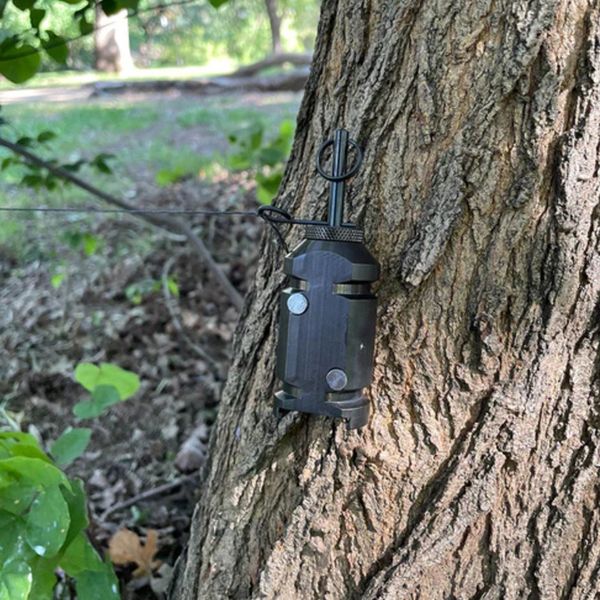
337, 379
297, 303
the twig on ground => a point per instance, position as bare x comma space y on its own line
173, 310
157, 491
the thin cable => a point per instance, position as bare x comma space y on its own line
167, 211
271, 215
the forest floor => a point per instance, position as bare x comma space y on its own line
137, 300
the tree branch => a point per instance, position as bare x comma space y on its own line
170, 224
274, 60
173, 310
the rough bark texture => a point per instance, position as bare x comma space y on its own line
478, 475
111, 42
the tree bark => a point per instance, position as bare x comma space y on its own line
275, 25
477, 476
111, 42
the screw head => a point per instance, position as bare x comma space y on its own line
297, 303
336, 379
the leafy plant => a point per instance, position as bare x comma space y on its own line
36, 176
43, 517
43, 512
264, 155
136, 292
180, 167
108, 385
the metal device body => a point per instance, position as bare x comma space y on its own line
328, 318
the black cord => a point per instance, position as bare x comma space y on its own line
271, 215
167, 211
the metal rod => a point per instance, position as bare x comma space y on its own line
336, 195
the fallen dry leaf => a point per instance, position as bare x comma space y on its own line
125, 547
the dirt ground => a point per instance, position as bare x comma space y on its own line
178, 345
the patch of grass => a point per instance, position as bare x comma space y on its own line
218, 118
226, 118
80, 125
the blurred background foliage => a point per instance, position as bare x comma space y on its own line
191, 34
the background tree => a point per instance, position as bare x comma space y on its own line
478, 473
111, 42
274, 24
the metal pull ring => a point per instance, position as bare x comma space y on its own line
352, 171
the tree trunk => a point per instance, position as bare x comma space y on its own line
275, 24
111, 42
477, 476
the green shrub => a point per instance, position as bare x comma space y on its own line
43, 512
266, 156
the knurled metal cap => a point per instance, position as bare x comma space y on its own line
334, 234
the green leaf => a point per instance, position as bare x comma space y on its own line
217, 3
271, 156
46, 136
20, 63
87, 374
13, 544
70, 445
103, 397
57, 279
31, 180
56, 47
286, 129
73, 167
32, 471
17, 497
20, 437
25, 141
8, 449
44, 578
99, 162
24, 4
50, 182
263, 196
15, 580
47, 522
81, 556
254, 135
173, 287
77, 502
90, 244
85, 27
267, 186
165, 177
110, 7
97, 585
90, 376
239, 161
36, 16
